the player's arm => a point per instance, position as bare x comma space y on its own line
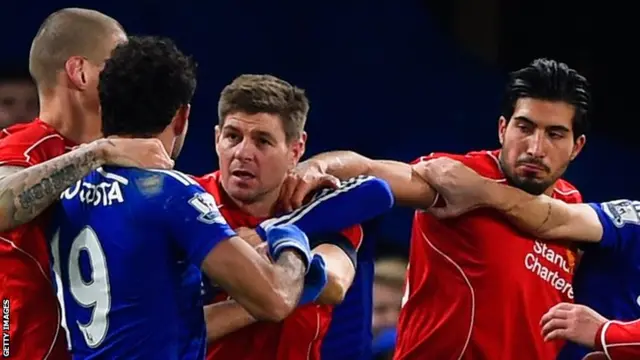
25, 192
408, 188
544, 216
619, 340
340, 260
225, 317
267, 291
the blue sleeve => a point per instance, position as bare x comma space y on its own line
194, 221
332, 210
620, 221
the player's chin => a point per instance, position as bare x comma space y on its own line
244, 194
532, 185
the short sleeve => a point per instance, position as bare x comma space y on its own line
348, 240
620, 221
194, 220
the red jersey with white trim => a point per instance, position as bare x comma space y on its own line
476, 287
300, 335
26, 289
619, 340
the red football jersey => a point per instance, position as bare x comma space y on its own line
619, 340
299, 336
26, 289
476, 287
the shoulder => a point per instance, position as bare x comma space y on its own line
30, 144
484, 162
170, 177
565, 191
619, 212
155, 185
208, 181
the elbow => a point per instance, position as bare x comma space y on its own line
332, 294
335, 291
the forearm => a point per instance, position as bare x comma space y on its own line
544, 216
342, 164
28, 192
224, 318
409, 189
288, 279
272, 292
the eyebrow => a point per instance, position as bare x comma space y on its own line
533, 123
253, 133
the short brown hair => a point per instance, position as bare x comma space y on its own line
391, 271
254, 94
66, 33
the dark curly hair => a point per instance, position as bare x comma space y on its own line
143, 84
551, 80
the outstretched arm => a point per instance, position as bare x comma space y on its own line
463, 190
26, 192
544, 216
408, 188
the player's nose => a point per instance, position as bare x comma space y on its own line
245, 150
535, 144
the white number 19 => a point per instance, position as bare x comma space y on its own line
96, 293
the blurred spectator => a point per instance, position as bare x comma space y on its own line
18, 96
387, 300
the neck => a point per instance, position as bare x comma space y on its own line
263, 207
70, 120
549, 191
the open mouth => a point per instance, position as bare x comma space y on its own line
243, 174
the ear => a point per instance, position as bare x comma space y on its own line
577, 147
75, 69
218, 133
298, 148
181, 120
502, 128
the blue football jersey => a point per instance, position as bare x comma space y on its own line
607, 278
127, 248
350, 332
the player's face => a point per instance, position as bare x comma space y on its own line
254, 155
95, 66
18, 103
84, 73
180, 128
538, 143
387, 301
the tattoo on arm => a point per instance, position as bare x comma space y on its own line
546, 219
292, 268
26, 193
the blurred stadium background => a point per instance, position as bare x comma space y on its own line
389, 79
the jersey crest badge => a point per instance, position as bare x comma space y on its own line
623, 212
205, 204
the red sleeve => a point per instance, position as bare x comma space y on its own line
619, 340
354, 234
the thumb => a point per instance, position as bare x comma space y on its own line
330, 181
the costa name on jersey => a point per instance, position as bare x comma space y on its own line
102, 194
